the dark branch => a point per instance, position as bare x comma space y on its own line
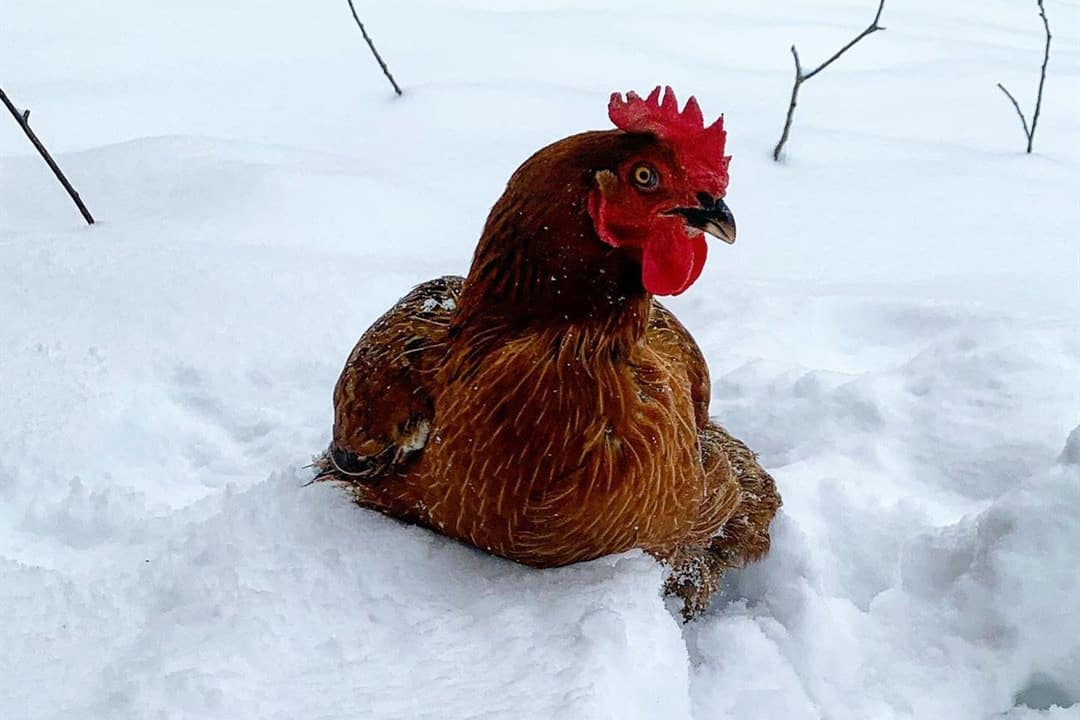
1030, 132
23, 119
1027, 133
1042, 75
801, 77
370, 44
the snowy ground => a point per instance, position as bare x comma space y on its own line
897, 332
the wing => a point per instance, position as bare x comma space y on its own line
668, 336
382, 403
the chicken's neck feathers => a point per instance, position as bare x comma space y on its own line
540, 265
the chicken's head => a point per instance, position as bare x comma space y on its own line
656, 202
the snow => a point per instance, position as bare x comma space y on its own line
897, 332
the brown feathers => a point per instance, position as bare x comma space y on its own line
546, 409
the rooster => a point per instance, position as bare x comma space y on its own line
546, 408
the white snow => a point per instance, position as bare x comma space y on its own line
897, 332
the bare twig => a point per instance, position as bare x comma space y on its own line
23, 118
1030, 132
801, 77
378, 58
1027, 133
791, 106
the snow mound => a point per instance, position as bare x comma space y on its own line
980, 617
292, 601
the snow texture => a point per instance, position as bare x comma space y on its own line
897, 332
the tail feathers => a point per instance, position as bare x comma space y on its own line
323, 467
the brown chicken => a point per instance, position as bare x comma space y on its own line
546, 408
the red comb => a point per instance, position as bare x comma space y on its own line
700, 149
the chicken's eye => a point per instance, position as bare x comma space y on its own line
644, 177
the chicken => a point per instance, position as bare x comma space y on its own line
546, 408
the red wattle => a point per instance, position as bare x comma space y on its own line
671, 261
701, 250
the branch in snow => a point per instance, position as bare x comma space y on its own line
23, 118
801, 77
370, 44
1030, 132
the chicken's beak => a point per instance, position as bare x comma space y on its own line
712, 216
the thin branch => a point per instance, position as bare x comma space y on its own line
791, 106
1042, 74
1027, 133
1030, 132
801, 77
378, 58
872, 28
23, 119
